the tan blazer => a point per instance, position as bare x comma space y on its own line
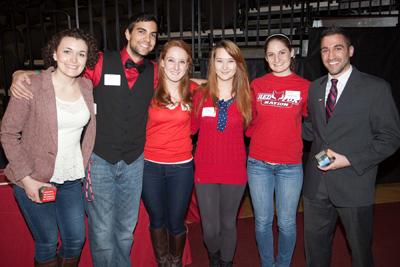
29, 130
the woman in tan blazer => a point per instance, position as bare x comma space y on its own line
48, 141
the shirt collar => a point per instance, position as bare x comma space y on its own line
343, 78
125, 56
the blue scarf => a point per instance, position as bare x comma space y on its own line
223, 113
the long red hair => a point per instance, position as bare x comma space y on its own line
161, 95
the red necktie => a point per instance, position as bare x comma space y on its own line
331, 100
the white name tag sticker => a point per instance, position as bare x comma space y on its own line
112, 79
95, 108
294, 95
208, 112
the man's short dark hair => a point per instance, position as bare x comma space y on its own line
141, 17
336, 30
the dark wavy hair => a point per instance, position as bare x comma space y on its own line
336, 30
140, 17
161, 96
55, 40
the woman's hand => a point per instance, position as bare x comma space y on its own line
31, 187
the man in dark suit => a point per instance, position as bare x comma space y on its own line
352, 116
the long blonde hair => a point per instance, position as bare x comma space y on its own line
240, 84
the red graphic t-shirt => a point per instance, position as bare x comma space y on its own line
279, 103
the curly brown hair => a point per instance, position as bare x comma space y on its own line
55, 40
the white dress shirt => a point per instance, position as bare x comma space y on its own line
342, 81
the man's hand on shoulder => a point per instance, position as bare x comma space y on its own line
19, 84
339, 161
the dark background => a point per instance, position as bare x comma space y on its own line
376, 51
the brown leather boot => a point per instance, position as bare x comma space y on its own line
49, 263
176, 246
68, 262
159, 239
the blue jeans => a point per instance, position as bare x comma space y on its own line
286, 180
167, 189
66, 215
113, 213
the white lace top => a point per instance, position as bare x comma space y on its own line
71, 118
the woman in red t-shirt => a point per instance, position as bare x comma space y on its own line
275, 153
168, 166
221, 111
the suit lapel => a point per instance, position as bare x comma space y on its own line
321, 102
86, 93
348, 95
49, 106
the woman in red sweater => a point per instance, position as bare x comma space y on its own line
221, 111
274, 163
168, 167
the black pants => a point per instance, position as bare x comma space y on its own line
219, 204
320, 217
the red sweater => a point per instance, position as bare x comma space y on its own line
278, 106
220, 156
168, 134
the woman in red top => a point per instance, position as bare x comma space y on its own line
221, 111
274, 163
168, 167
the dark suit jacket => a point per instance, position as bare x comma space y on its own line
364, 127
29, 131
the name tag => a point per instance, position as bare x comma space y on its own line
208, 112
294, 95
112, 79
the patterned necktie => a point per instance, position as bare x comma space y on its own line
130, 64
223, 113
331, 100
